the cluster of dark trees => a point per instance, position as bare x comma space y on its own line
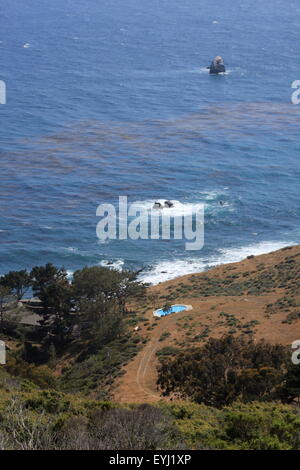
95, 300
231, 368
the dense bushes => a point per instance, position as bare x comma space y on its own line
254, 426
31, 418
42, 422
261, 427
225, 369
49, 420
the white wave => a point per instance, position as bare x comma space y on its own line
178, 210
211, 195
26, 45
167, 270
118, 264
202, 70
71, 249
206, 70
233, 255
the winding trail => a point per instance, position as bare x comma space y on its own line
138, 384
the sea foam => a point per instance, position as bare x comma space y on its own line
167, 270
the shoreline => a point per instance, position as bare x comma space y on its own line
229, 256
221, 271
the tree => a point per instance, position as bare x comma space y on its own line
18, 281
112, 287
223, 370
100, 297
5, 298
43, 276
259, 383
24, 431
100, 323
153, 298
51, 286
95, 284
129, 288
290, 389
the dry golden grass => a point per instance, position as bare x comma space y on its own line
258, 297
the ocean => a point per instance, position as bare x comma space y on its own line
112, 98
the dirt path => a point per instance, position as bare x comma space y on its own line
138, 384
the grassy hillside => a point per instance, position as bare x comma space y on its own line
77, 379
257, 298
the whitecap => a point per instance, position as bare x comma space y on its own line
179, 209
72, 249
167, 270
117, 264
171, 269
233, 255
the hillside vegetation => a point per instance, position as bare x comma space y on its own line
218, 376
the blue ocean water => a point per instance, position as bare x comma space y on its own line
112, 98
